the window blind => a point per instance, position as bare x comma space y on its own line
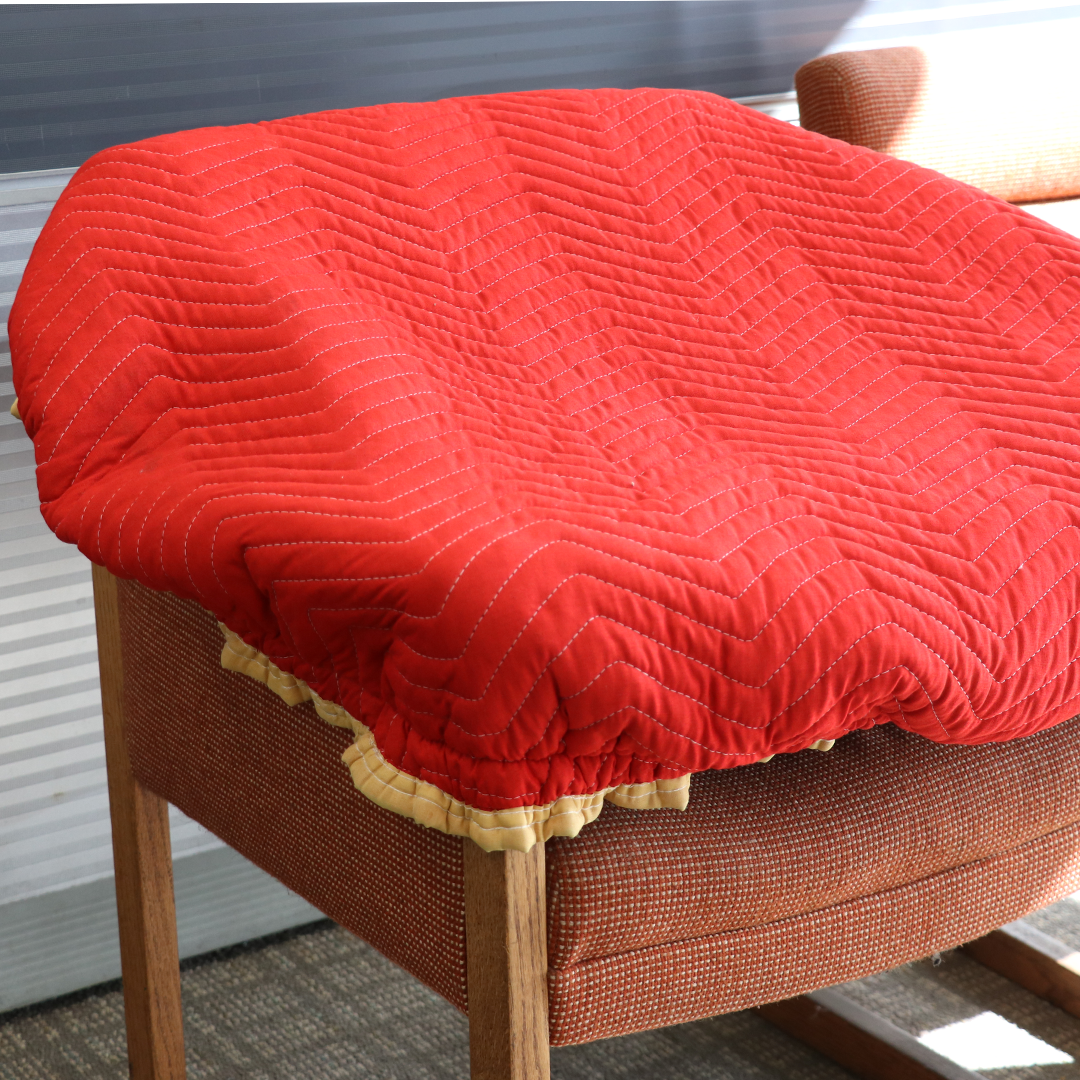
54, 811
76, 78
57, 905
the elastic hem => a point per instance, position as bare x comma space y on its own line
514, 829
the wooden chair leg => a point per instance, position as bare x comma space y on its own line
506, 945
865, 1044
143, 865
1041, 964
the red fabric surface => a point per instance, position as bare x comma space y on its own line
574, 438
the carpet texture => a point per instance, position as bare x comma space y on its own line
322, 1005
319, 1004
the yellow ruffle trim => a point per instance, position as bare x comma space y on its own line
516, 829
821, 744
14, 410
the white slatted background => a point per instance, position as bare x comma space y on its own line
54, 810
57, 907
879, 24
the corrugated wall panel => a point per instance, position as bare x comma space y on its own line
76, 78
54, 814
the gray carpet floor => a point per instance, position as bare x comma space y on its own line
319, 1004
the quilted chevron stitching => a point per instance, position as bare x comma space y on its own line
516, 446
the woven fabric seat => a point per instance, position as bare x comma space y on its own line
947, 107
776, 880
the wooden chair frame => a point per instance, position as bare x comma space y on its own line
505, 915
506, 941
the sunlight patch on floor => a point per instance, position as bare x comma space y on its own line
989, 1041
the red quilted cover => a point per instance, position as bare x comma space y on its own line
574, 439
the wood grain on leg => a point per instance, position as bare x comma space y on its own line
144, 885
1039, 963
506, 947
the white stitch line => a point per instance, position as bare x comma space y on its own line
622, 412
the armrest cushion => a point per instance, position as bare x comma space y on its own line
961, 113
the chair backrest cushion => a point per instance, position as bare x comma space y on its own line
1004, 124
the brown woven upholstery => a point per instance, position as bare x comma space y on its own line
780, 878
757, 844
884, 850
955, 112
864, 98
691, 979
270, 782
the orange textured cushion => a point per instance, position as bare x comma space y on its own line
777, 879
951, 111
736, 969
804, 832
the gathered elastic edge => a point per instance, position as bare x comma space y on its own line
515, 829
